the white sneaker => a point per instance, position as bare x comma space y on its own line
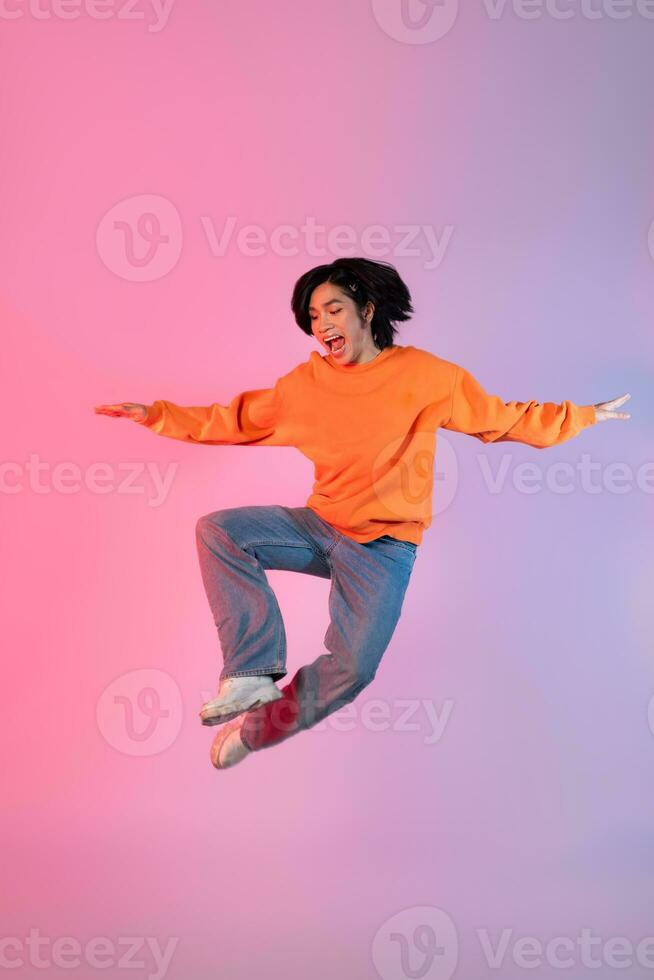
237, 694
228, 747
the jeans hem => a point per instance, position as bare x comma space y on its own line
276, 669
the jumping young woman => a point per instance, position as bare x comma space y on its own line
365, 411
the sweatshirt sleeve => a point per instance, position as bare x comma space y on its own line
252, 418
489, 419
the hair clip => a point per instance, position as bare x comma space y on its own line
353, 287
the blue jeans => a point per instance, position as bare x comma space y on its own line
368, 583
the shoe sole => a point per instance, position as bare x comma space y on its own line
237, 708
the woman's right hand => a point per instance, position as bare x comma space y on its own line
126, 410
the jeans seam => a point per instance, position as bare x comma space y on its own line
331, 587
290, 544
327, 527
330, 550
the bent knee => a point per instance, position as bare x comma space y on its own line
210, 522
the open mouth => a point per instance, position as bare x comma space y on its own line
336, 343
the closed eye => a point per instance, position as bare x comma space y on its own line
339, 310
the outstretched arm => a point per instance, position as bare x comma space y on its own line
538, 424
251, 418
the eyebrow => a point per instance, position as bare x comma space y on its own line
328, 303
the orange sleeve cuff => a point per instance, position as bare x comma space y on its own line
154, 413
588, 414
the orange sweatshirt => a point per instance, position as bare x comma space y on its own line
370, 431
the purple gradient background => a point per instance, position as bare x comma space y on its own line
530, 613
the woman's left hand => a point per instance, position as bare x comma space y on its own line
605, 410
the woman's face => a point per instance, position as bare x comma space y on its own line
333, 312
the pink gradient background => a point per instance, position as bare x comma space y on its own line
530, 613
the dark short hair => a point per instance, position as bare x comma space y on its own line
362, 280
